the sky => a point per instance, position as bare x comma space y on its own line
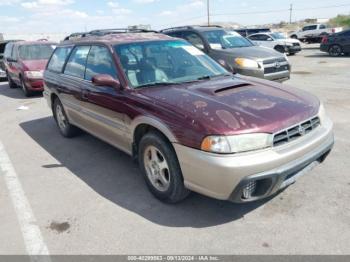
58, 16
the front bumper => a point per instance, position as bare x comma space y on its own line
293, 49
35, 84
224, 176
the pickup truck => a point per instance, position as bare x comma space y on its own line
314, 33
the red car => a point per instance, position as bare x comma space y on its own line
25, 63
192, 125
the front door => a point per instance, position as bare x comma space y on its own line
103, 107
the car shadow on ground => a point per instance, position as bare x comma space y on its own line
113, 175
15, 93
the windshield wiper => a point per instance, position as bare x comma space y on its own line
157, 84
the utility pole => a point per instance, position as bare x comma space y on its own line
290, 13
208, 11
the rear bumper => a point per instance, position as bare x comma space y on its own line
225, 176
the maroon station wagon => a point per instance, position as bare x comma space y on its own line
191, 125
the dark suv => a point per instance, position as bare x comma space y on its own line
336, 44
190, 123
236, 53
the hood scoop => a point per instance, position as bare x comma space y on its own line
226, 90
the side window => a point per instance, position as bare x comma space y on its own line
194, 39
99, 62
77, 61
8, 50
175, 34
306, 28
322, 27
14, 54
254, 37
58, 59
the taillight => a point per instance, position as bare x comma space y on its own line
324, 40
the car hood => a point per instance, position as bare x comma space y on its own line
35, 65
252, 52
234, 105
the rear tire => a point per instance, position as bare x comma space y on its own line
335, 50
10, 81
161, 169
66, 129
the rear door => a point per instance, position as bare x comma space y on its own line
103, 107
345, 41
72, 83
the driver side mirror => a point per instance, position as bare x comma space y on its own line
106, 80
269, 39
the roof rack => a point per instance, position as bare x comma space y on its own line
102, 32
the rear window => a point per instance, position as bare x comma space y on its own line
58, 59
35, 52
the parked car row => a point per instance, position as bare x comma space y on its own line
171, 101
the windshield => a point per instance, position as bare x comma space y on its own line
165, 62
278, 36
35, 52
220, 39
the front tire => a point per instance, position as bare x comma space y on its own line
66, 129
25, 90
10, 81
161, 169
335, 50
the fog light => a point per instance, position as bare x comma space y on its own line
249, 190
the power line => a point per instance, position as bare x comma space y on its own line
254, 12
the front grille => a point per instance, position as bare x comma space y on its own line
296, 131
274, 60
271, 70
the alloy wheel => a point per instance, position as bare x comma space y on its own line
157, 168
60, 117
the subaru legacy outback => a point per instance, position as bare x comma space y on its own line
192, 125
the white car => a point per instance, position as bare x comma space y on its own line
277, 41
315, 32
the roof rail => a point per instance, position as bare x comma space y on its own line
102, 32
187, 27
176, 28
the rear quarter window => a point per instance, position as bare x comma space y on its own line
58, 59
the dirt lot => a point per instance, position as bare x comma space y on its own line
88, 198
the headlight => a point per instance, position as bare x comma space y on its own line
247, 63
322, 113
236, 143
33, 74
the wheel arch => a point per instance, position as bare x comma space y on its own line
143, 125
